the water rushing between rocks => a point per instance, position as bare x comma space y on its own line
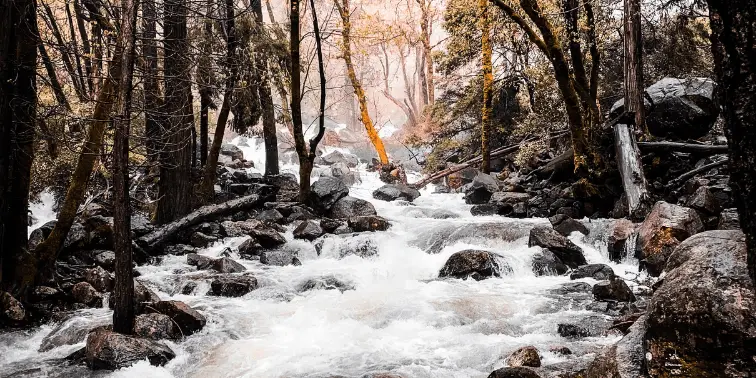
390, 311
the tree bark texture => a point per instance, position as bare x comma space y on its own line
266, 101
305, 167
733, 25
426, 23
631, 170
18, 104
633, 63
123, 290
175, 185
487, 72
152, 99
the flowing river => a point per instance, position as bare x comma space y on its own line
399, 317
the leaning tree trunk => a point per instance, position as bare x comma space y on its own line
123, 290
628, 154
175, 185
18, 104
346, 54
733, 25
487, 70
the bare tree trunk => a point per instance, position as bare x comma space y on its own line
305, 167
152, 99
53, 24
52, 76
425, 35
321, 71
86, 49
733, 25
628, 154
266, 102
206, 190
123, 292
75, 50
175, 185
421, 75
487, 71
18, 104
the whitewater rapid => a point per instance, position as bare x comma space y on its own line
399, 318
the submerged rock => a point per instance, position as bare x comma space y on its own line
202, 262
393, 192
548, 238
475, 264
663, 229
525, 356
279, 258
325, 283
110, 350
547, 264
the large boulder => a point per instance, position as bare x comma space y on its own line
349, 206
326, 191
481, 189
393, 192
232, 286
729, 220
308, 230
337, 157
525, 356
565, 225
511, 204
613, 289
232, 151
514, 372
546, 263
268, 237
227, 265
342, 172
678, 108
475, 264
281, 257
11, 309
625, 359
186, 318
202, 262
548, 238
596, 271
85, 294
99, 278
110, 350
700, 319
156, 326
661, 232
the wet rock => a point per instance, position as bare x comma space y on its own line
40, 234
342, 172
729, 220
525, 356
663, 229
45, 293
100, 279
511, 204
200, 240
348, 207
240, 228
613, 289
342, 230
267, 237
72, 330
561, 350
187, 319
232, 286
699, 319
227, 265
178, 249
393, 192
329, 225
596, 271
10, 308
368, 223
682, 109
339, 157
299, 213
566, 225
622, 360
481, 189
308, 230
475, 264
105, 259
156, 327
109, 350
446, 234
548, 238
548, 264
84, 293
189, 288
76, 239
140, 225
279, 258
270, 216
572, 331
325, 283
232, 151
484, 209
340, 246
573, 288
621, 230
326, 191
143, 297
703, 201
202, 262
208, 228
99, 231
514, 372
250, 247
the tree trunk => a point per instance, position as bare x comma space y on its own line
421, 75
704, 149
346, 53
631, 171
266, 102
123, 291
152, 99
18, 105
175, 185
305, 166
321, 71
52, 76
425, 35
53, 24
206, 190
487, 72
86, 49
633, 62
733, 24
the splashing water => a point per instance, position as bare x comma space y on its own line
398, 318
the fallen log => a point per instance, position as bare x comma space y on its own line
631, 170
687, 175
501, 151
682, 147
156, 238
